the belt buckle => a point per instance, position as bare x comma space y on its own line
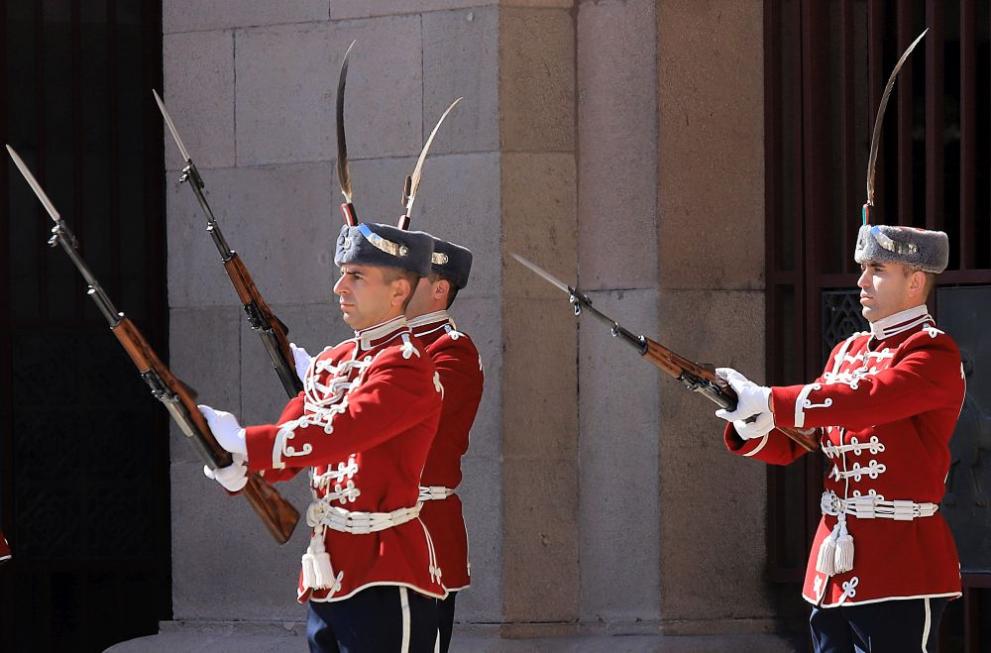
828, 503
316, 512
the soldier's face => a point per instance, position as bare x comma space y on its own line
888, 288
366, 297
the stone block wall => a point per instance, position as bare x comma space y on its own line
619, 144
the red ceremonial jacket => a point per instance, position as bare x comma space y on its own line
460, 369
885, 408
4, 548
364, 424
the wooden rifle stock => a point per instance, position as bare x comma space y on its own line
262, 319
278, 515
703, 379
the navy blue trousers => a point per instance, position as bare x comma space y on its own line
885, 627
384, 619
445, 619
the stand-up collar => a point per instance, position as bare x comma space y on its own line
900, 322
374, 336
429, 321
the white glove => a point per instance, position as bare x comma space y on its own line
301, 359
233, 477
752, 399
225, 428
758, 428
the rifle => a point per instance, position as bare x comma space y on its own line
261, 318
695, 377
179, 399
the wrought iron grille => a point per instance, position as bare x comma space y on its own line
826, 64
841, 316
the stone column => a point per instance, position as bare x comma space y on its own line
541, 574
618, 393
711, 198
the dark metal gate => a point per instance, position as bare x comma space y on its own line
826, 63
84, 487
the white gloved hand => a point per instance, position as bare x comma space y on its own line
226, 430
302, 360
233, 477
758, 428
752, 399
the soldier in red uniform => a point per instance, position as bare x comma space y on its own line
363, 425
883, 563
4, 548
460, 369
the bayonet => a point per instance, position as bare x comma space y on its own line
178, 398
412, 184
35, 186
271, 330
697, 378
172, 130
62, 235
191, 174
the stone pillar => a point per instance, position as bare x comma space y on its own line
541, 573
711, 198
618, 393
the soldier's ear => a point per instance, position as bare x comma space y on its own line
402, 290
917, 281
441, 289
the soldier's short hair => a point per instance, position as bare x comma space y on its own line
390, 274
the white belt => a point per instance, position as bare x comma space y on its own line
870, 507
357, 523
435, 492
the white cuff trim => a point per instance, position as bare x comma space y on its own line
763, 443
802, 402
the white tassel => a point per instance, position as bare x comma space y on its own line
312, 577
325, 573
844, 549
826, 560
309, 571
318, 573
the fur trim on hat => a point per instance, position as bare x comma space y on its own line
918, 248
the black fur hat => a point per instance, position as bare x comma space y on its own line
381, 244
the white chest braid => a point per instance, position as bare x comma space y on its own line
323, 402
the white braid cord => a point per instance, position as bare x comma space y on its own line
435, 492
355, 522
871, 507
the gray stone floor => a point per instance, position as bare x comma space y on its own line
246, 638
